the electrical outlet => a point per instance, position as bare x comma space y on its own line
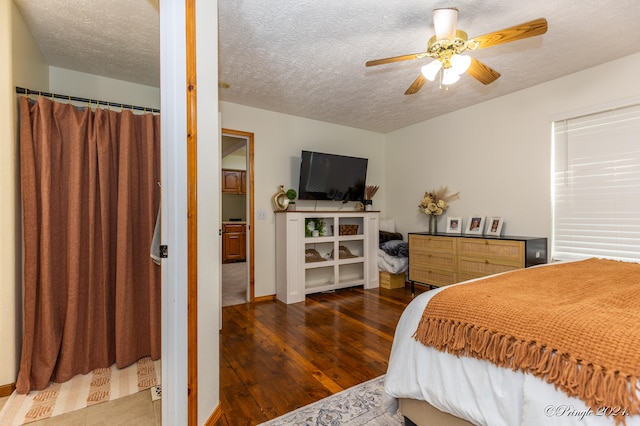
156, 392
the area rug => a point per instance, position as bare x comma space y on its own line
101, 385
357, 406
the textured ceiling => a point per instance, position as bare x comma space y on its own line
306, 57
115, 38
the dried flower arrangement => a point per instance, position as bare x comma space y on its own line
436, 202
370, 191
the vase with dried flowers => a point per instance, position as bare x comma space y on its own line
369, 192
434, 203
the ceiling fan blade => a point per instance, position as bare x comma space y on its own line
482, 72
396, 59
526, 30
416, 85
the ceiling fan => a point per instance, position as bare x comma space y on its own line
448, 44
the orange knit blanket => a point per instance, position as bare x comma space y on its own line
576, 325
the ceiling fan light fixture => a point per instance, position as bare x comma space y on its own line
445, 21
431, 69
449, 76
460, 63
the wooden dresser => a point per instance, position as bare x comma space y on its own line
443, 259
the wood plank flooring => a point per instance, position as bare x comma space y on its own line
275, 357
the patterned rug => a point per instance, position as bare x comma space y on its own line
101, 385
356, 406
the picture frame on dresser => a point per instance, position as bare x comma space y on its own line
475, 225
454, 225
494, 227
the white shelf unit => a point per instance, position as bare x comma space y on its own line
336, 261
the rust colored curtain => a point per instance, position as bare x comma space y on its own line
90, 199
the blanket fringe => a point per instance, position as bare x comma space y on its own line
596, 386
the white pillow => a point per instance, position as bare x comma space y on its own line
387, 225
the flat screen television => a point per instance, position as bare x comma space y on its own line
331, 177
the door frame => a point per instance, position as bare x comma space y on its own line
250, 216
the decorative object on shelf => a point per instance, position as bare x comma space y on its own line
369, 192
280, 200
348, 230
454, 225
343, 253
495, 225
475, 225
312, 255
314, 227
358, 206
435, 203
291, 195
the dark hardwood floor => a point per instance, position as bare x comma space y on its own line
275, 357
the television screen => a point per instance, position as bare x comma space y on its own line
331, 177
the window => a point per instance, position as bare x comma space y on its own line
596, 186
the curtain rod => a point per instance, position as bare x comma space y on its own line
24, 91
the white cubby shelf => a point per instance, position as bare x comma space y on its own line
342, 252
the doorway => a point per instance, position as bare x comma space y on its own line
237, 262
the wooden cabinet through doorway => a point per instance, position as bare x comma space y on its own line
234, 243
234, 181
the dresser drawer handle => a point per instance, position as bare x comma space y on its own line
486, 261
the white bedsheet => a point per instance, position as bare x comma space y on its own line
476, 390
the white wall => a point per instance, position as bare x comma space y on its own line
74, 83
498, 153
279, 139
21, 64
30, 69
235, 162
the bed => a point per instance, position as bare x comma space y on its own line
456, 385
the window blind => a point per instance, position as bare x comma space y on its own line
596, 186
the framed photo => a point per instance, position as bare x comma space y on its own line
494, 226
475, 225
454, 225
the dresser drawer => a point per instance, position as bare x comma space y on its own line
434, 277
506, 252
431, 243
444, 262
476, 267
